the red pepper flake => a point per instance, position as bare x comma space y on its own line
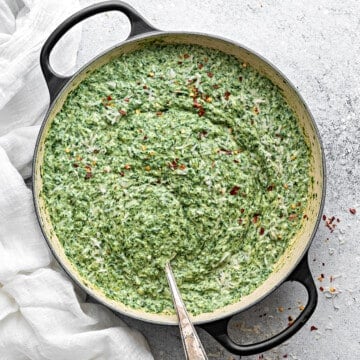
127, 167
159, 113
186, 56
352, 211
227, 95
109, 98
234, 190
121, 173
292, 217
196, 105
329, 223
321, 288
255, 218
242, 210
200, 66
145, 87
262, 230
145, 137
240, 78
201, 112
313, 328
305, 216
182, 167
88, 175
210, 74
224, 151
291, 322
270, 187
174, 164
127, 99
122, 112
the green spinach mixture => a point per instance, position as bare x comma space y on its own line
175, 152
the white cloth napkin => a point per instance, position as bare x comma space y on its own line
41, 315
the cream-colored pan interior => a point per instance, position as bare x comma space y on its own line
298, 245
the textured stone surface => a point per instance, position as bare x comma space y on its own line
316, 44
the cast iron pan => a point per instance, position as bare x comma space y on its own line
299, 270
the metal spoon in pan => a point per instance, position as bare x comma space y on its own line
190, 339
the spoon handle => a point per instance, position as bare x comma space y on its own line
190, 339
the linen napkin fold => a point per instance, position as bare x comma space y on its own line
41, 314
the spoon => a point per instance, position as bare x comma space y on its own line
190, 339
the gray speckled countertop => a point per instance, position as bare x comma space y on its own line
316, 44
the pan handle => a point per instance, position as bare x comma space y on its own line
218, 329
56, 82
